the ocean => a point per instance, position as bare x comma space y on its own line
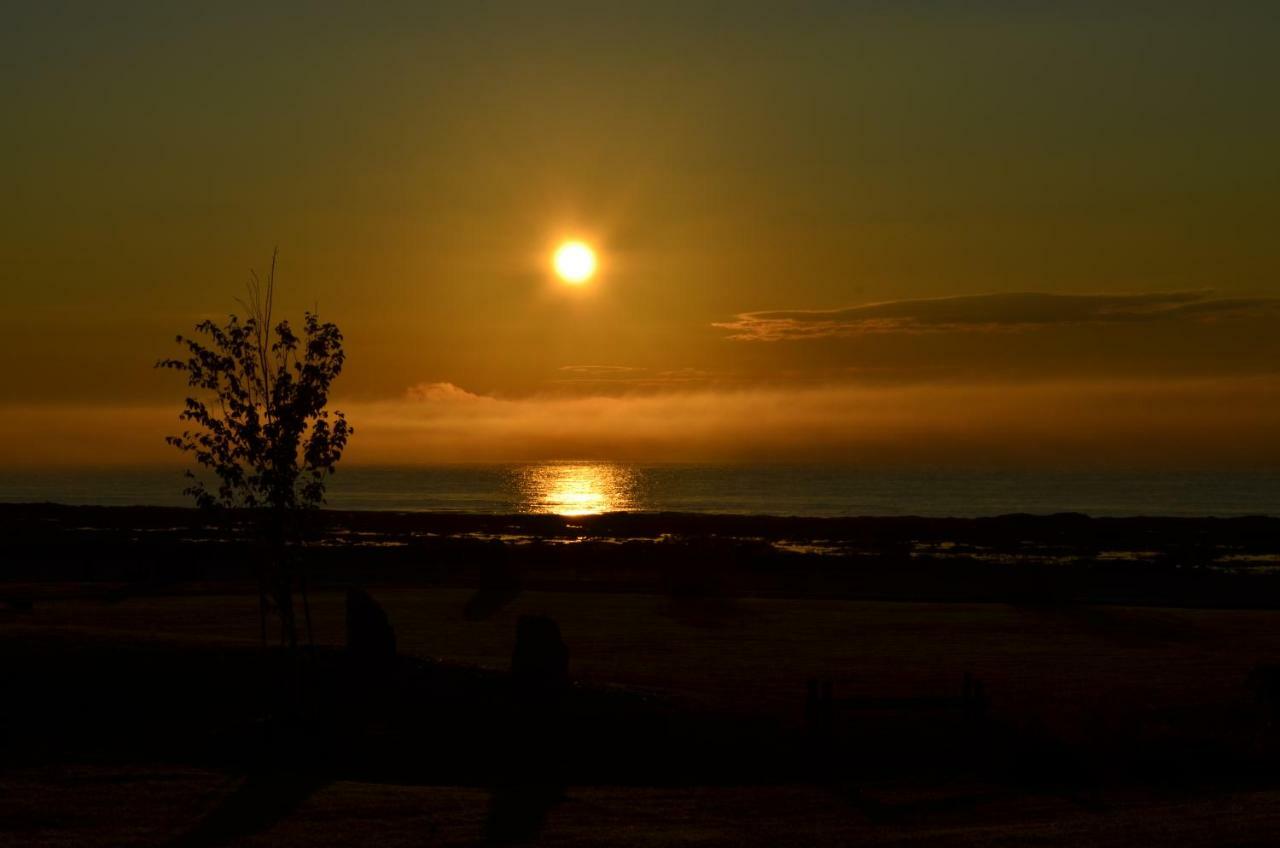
581, 487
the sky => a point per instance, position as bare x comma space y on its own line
910, 233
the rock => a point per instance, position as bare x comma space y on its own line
369, 633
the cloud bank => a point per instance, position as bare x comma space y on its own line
990, 312
1187, 423
1179, 423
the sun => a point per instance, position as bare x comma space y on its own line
575, 262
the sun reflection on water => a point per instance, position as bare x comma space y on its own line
576, 488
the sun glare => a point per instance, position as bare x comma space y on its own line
576, 488
575, 262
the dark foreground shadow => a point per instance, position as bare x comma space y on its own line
290, 769
260, 801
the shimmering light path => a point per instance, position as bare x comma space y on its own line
576, 488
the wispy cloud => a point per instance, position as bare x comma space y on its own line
434, 392
990, 312
1073, 422
601, 372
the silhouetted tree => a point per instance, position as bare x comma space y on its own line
262, 426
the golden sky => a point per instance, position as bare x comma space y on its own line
898, 233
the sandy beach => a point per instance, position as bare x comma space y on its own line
140, 710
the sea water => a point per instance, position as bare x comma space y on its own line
580, 487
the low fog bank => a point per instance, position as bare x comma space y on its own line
1223, 423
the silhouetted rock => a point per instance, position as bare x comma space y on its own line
973, 700
819, 712
531, 775
819, 727
540, 662
1264, 681
369, 634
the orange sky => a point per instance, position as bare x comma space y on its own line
906, 234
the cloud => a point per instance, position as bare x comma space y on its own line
990, 312
1184, 423
601, 370
1054, 423
687, 375
440, 392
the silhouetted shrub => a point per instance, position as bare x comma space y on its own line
261, 424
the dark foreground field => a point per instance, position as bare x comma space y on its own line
1051, 681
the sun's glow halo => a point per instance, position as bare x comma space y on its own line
575, 262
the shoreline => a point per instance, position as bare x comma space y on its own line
46, 508
1048, 561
